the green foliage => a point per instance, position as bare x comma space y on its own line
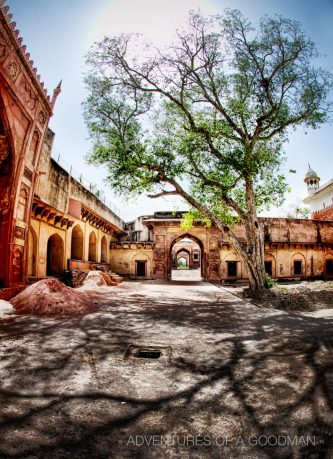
270, 283
193, 216
207, 119
299, 212
181, 263
217, 123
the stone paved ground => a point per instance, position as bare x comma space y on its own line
238, 377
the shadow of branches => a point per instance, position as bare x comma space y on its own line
239, 378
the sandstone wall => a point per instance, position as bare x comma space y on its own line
125, 255
56, 186
41, 232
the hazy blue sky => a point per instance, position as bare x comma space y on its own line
58, 33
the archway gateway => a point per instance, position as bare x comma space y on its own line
186, 259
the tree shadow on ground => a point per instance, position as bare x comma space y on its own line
239, 378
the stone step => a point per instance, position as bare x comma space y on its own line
190, 275
116, 278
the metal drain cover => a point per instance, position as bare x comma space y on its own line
146, 353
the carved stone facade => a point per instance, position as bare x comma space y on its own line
22, 100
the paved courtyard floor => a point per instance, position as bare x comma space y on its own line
232, 380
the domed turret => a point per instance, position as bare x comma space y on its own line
312, 180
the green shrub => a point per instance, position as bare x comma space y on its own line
270, 283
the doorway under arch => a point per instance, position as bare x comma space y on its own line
186, 259
104, 250
92, 246
77, 243
55, 255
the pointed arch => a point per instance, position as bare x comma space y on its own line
55, 255
32, 152
92, 246
173, 257
104, 250
77, 243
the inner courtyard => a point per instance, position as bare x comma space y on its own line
147, 334
227, 370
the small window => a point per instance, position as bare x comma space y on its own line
232, 268
268, 268
329, 267
196, 256
297, 267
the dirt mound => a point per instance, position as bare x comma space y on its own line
52, 297
97, 279
307, 296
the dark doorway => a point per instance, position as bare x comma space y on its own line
77, 243
232, 268
141, 268
297, 267
55, 249
329, 267
104, 250
268, 268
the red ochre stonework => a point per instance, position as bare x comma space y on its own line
25, 109
324, 214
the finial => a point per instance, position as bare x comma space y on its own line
309, 165
56, 92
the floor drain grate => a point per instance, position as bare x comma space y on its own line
148, 353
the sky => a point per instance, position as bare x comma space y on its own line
59, 33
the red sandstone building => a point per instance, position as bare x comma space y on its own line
25, 110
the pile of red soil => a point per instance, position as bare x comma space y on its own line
52, 297
97, 279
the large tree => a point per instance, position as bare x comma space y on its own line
207, 117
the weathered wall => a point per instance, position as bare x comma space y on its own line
56, 186
286, 241
124, 256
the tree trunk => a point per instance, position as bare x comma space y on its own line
255, 256
252, 254
254, 259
